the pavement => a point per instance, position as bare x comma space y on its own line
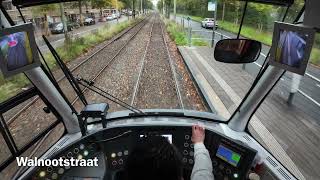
290, 133
57, 40
310, 83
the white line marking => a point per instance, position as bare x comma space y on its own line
310, 98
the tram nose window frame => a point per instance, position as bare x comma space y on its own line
7, 135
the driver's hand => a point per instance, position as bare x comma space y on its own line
198, 134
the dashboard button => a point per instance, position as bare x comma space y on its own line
185, 152
60, 171
76, 150
126, 152
221, 166
119, 154
214, 163
69, 155
81, 146
49, 169
113, 155
120, 161
186, 145
191, 153
186, 137
228, 171
190, 161
54, 176
42, 174
185, 160
114, 163
191, 145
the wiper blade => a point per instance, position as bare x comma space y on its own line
90, 85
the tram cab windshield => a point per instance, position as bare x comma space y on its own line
77, 105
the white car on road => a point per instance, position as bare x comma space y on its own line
208, 23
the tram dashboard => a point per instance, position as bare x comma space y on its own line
230, 159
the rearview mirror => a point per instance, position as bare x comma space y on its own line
237, 51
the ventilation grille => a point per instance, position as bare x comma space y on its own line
63, 141
55, 149
247, 138
274, 164
284, 174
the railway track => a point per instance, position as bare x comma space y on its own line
156, 62
109, 63
62, 79
123, 77
139, 25
157, 85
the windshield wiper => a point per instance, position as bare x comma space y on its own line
90, 85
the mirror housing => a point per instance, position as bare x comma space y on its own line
237, 51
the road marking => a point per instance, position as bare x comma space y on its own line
310, 98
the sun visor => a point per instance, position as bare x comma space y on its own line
28, 3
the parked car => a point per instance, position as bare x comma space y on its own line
208, 23
57, 28
89, 21
110, 17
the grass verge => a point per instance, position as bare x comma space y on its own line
11, 86
263, 37
178, 34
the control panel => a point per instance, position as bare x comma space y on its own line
230, 159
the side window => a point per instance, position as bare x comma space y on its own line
26, 129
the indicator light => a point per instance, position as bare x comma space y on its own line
80, 156
42, 174
113, 155
235, 175
81, 146
85, 153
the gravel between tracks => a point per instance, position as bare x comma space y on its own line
157, 85
119, 78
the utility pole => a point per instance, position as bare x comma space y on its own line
175, 9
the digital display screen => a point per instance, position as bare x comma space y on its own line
291, 48
228, 155
168, 136
16, 50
